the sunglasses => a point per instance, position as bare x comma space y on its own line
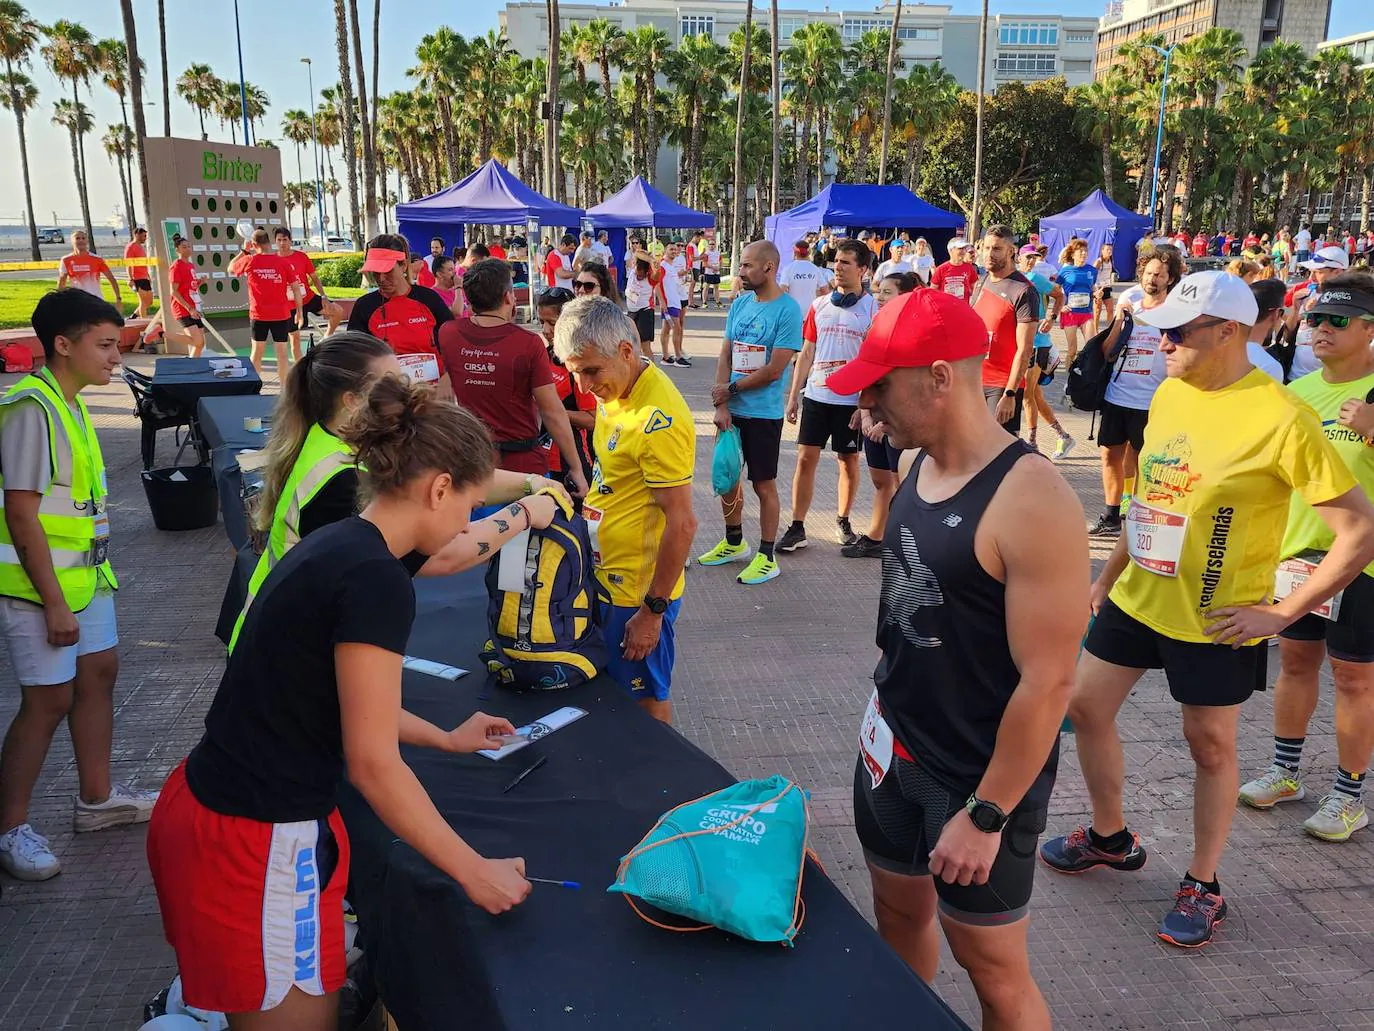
1316, 318
582, 284
1176, 335
555, 295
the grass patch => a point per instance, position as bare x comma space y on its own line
19, 296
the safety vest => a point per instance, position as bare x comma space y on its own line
323, 456
72, 511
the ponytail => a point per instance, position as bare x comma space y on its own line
313, 390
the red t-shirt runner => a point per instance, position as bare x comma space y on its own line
1002, 306
270, 277
552, 264
574, 400
495, 371
304, 269
84, 271
134, 249
955, 280
184, 280
410, 324
1200, 245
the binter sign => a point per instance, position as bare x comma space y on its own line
218, 168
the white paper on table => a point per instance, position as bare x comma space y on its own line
434, 669
235, 372
556, 720
226, 363
510, 567
177, 477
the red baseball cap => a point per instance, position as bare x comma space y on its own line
380, 259
913, 331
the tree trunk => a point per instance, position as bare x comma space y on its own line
376, 87
1108, 165
803, 180
776, 80
820, 149
34, 253
124, 194
200, 113
81, 177
694, 155
450, 144
381, 174
737, 219
887, 93
347, 113
651, 127
1170, 188
1310, 214
166, 74
1147, 178
1338, 191
364, 125
140, 124
1366, 187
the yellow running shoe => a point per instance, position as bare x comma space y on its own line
759, 571
725, 552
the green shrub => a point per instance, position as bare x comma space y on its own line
345, 271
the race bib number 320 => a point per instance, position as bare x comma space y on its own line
1154, 538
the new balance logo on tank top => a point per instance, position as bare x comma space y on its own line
946, 672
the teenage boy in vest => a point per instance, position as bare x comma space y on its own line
57, 611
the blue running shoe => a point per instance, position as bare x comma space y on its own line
1196, 914
1075, 853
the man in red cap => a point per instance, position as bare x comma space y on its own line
979, 624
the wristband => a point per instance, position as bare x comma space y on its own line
529, 521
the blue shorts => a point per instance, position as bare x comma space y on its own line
650, 677
672, 314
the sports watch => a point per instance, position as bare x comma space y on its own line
733, 389
986, 816
657, 606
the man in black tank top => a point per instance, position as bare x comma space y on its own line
979, 624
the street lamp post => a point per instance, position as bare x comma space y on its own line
243, 86
315, 140
1159, 131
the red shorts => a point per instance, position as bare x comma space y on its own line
1070, 319
251, 909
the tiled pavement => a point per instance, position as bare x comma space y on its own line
770, 679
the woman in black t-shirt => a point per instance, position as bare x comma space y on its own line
248, 853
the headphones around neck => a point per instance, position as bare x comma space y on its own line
845, 300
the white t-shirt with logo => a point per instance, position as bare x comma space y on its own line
713, 260
890, 267
671, 285
801, 278
603, 254
837, 333
1138, 374
639, 293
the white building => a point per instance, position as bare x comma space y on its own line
1361, 45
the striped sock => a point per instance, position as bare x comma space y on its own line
1288, 752
1054, 425
1348, 783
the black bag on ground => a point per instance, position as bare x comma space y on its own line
1091, 370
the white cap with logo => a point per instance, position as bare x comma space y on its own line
1216, 294
957, 244
1327, 257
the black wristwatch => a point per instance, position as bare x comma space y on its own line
657, 606
986, 816
1009, 393
734, 390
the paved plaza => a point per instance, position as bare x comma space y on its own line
770, 679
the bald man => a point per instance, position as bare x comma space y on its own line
763, 333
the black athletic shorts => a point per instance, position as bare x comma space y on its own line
899, 822
822, 423
644, 322
1041, 357
881, 455
146, 285
1349, 637
279, 329
1198, 674
1122, 426
993, 395
697, 274
1106, 294
713, 279
761, 440
187, 321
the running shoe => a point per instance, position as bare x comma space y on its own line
24, 855
847, 534
1196, 914
1075, 852
124, 806
759, 571
1340, 816
725, 552
684, 362
1063, 448
1277, 784
1105, 526
793, 539
864, 547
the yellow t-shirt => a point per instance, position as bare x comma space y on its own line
1306, 529
643, 442
1209, 505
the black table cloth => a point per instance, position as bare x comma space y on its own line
185, 381
582, 958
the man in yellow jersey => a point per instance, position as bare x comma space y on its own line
1188, 587
639, 507
1342, 325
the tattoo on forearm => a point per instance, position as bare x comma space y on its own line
514, 510
501, 525
482, 548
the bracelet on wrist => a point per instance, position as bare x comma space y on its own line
529, 520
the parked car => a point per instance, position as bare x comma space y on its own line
51, 236
335, 243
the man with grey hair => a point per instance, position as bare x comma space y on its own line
639, 507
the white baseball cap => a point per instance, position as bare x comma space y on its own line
958, 243
1327, 257
1218, 294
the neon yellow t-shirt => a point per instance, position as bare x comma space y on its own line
1306, 529
1210, 503
644, 442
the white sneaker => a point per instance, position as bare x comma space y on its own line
24, 854
123, 807
1063, 448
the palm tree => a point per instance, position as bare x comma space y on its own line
811, 73
553, 183
443, 58
200, 88
229, 108
698, 68
118, 142
1096, 110
112, 62
745, 84
258, 102
488, 74
332, 187
1143, 68
347, 113
126, 10
367, 135
18, 37
604, 44
70, 53
887, 91
73, 116
643, 55
926, 99
166, 73
295, 126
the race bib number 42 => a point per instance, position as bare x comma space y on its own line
1154, 538
421, 368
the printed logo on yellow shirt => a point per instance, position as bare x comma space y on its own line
614, 440
657, 421
1167, 476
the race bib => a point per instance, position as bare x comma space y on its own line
593, 517
1293, 573
820, 372
100, 547
421, 368
875, 742
1154, 538
1140, 356
1080, 300
747, 358
955, 288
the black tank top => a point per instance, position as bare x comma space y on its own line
946, 671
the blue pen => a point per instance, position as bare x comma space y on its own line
560, 884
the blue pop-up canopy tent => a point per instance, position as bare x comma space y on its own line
856, 207
490, 196
1098, 219
640, 206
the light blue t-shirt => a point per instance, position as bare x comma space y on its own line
1078, 282
1044, 288
754, 329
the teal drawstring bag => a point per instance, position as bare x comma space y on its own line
732, 859
727, 462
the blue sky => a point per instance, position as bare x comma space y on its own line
275, 37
